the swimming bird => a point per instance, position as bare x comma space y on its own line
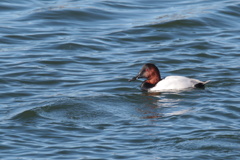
154, 83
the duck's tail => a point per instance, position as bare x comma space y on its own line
206, 82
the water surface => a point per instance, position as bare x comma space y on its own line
64, 69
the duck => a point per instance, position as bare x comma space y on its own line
154, 82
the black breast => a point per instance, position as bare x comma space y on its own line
145, 86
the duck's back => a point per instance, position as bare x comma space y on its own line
175, 83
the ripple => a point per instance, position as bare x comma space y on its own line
69, 14
88, 109
188, 23
220, 143
232, 10
13, 7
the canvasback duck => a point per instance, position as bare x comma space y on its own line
154, 83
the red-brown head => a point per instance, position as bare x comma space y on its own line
150, 72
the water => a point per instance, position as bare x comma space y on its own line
64, 70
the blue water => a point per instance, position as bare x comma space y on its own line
64, 76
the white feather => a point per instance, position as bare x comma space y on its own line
175, 83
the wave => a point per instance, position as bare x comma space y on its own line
96, 109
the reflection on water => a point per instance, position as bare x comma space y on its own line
159, 105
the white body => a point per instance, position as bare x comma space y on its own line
175, 83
